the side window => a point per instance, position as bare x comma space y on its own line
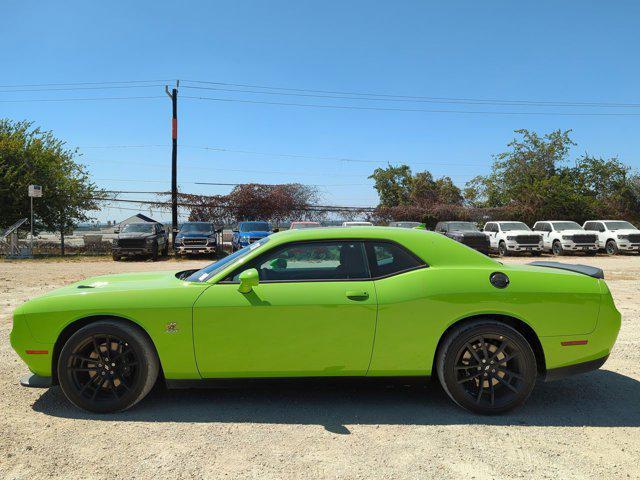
489, 227
600, 227
540, 227
299, 262
389, 258
591, 226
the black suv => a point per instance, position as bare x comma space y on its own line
145, 238
197, 237
466, 233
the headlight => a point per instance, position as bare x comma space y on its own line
511, 237
566, 237
623, 237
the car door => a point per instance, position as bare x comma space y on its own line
492, 230
312, 314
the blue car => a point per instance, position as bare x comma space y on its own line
248, 232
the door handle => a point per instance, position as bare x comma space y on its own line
357, 294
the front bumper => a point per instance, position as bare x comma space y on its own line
629, 247
517, 247
579, 247
194, 249
131, 251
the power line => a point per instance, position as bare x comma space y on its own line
89, 99
284, 155
57, 89
416, 110
419, 97
81, 83
317, 208
425, 100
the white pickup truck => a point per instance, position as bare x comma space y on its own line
512, 237
615, 235
562, 236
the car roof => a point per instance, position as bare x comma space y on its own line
434, 248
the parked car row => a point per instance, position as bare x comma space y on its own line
552, 236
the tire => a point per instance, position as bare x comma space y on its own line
154, 252
557, 249
128, 382
492, 390
612, 248
502, 249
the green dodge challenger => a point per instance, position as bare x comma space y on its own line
367, 302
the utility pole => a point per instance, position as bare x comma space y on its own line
174, 161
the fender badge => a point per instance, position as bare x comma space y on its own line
172, 327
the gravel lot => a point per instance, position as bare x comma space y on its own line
583, 427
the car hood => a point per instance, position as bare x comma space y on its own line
625, 231
467, 233
576, 232
135, 235
522, 232
118, 282
194, 235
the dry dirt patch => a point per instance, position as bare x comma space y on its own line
583, 427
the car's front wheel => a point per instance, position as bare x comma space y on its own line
107, 366
502, 249
612, 247
487, 367
557, 248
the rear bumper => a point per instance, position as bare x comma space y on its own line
578, 368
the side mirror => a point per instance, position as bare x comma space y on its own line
248, 279
278, 263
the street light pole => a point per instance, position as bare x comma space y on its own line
174, 161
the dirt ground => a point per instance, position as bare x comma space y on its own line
582, 427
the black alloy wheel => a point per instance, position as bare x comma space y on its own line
107, 366
502, 249
487, 367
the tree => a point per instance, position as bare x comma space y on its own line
393, 185
397, 186
29, 155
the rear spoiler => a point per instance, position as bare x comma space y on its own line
583, 269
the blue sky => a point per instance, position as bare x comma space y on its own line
572, 51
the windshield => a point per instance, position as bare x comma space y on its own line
463, 227
619, 225
296, 226
196, 227
209, 271
138, 228
254, 227
561, 226
508, 226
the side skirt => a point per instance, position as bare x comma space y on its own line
292, 381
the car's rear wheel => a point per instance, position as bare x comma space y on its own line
612, 247
557, 248
107, 366
487, 367
502, 249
